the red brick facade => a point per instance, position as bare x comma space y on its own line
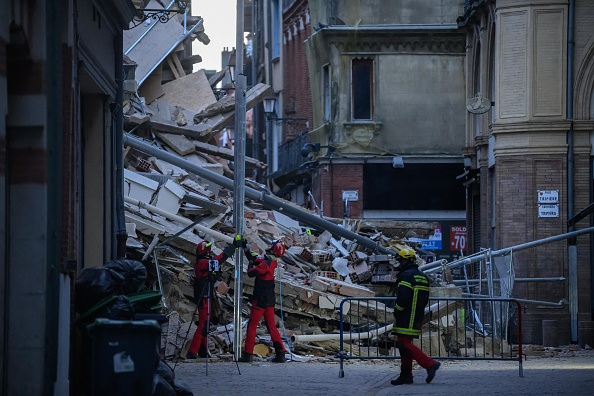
297, 96
334, 178
517, 181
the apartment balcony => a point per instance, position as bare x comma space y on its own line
290, 158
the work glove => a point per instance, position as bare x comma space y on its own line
237, 241
251, 256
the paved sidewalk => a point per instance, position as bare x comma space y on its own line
566, 375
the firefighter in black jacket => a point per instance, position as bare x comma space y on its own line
262, 268
412, 296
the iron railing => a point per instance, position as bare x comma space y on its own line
289, 154
454, 328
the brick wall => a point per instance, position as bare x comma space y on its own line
518, 179
517, 182
334, 178
297, 96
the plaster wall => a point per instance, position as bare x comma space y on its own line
417, 100
372, 12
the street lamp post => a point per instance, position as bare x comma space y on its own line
269, 111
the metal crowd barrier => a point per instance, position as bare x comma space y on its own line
453, 328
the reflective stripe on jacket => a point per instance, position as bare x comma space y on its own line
412, 296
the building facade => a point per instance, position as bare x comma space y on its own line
386, 80
529, 155
60, 168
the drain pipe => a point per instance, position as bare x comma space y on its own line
345, 336
572, 245
354, 336
265, 197
118, 116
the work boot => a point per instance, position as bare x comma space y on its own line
280, 352
401, 380
431, 372
246, 358
191, 355
202, 352
279, 357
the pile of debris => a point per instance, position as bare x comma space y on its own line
169, 210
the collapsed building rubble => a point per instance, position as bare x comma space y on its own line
169, 209
316, 273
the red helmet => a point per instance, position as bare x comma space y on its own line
203, 248
278, 248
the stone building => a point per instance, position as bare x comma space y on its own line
387, 88
529, 155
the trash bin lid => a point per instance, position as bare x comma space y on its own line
103, 323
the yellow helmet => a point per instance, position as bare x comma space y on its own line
408, 254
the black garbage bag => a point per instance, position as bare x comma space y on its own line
161, 387
120, 309
133, 274
94, 285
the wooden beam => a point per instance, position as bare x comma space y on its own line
173, 67
180, 68
226, 153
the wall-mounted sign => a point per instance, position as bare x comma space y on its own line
548, 210
458, 238
548, 196
351, 195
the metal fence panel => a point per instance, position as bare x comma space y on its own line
453, 328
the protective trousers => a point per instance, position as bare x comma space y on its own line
199, 338
410, 352
256, 314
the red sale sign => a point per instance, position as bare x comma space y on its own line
458, 238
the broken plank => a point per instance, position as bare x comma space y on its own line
346, 289
178, 64
217, 77
211, 125
179, 143
173, 67
226, 153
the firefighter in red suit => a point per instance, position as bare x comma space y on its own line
263, 301
206, 273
